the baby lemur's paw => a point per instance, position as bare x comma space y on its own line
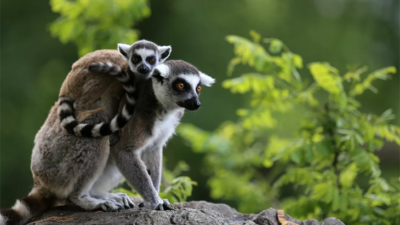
114, 138
107, 67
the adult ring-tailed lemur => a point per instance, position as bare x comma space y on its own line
137, 157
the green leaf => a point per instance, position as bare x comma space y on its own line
326, 77
256, 36
298, 61
382, 74
348, 175
323, 148
275, 46
296, 156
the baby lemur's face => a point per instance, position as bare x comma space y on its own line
143, 56
178, 84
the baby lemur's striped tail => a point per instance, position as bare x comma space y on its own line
66, 111
24, 209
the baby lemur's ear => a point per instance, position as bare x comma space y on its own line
161, 71
124, 49
165, 52
206, 80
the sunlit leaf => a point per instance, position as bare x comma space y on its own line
326, 77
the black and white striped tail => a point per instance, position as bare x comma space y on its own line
24, 209
66, 111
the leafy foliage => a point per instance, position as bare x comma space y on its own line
93, 25
322, 162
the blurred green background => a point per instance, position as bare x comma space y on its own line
33, 65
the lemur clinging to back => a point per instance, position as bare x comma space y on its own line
142, 57
64, 166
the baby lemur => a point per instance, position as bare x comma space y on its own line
64, 166
141, 57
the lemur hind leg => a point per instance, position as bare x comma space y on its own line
68, 165
108, 180
134, 170
92, 157
81, 195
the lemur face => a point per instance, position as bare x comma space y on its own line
143, 56
178, 84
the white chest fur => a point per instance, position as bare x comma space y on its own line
164, 128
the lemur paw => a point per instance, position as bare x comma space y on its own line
110, 206
122, 199
161, 207
166, 205
126, 200
105, 68
114, 138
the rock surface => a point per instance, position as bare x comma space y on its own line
188, 213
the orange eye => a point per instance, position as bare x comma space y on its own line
198, 88
135, 60
152, 61
180, 85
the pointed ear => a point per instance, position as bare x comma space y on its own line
124, 49
165, 52
206, 80
161, 70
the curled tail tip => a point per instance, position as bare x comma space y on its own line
18, 214
26, 208
65, 109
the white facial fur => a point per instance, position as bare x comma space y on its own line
192, 79
165, 93
165, 83
143, 53
128, 51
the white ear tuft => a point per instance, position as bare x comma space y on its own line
124, 49
165, 52
163, 70
206, 80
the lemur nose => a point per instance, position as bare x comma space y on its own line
196, 104
143, 69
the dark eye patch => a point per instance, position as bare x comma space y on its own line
175, 83
151, 59
136, 59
